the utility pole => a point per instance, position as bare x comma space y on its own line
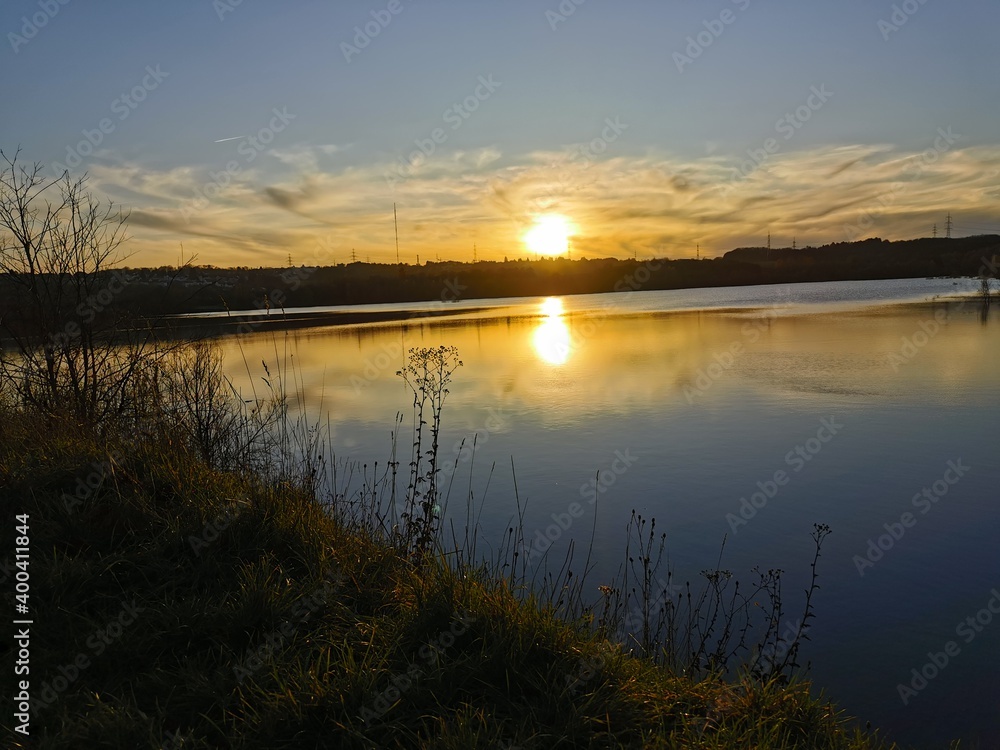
947, 227
395, 223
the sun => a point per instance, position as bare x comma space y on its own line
549, 235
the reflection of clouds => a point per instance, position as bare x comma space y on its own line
621, 365
281, 202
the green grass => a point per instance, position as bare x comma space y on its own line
355, 646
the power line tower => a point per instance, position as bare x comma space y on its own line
934, 235
475, 255
794, 244
947, 227
354, 256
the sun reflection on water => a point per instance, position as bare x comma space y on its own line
552, 339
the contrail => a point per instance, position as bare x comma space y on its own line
234, 138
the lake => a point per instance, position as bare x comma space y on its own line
869, 406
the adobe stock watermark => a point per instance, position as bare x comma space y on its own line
454, 117
638, 614
915, 343
943, 142
386, 359
774, 653
293, 278
562, 12
389, 355
583, 155
796, 459
250, 148
430, 653
123, 106
89, 309
591, 324
223, 8
967, 630
589, 667
86, 486
213, 529
588, 152
912, 345
465, 448
901, 14
364, 34
31, 26
255, 658
701, 41
923, 501
725, 360
786, 127
97, 643
605, 478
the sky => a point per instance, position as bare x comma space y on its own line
248, 131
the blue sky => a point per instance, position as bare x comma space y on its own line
866, 158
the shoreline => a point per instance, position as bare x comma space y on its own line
215, 325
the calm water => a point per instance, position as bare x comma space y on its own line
710, 392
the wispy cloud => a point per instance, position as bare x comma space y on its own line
655, 201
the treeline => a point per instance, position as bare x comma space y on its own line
200, 289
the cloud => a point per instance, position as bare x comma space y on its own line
656, 201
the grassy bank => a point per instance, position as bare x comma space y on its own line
180, 606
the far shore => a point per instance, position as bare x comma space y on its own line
212, 325
283, 320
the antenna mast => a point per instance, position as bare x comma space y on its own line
395, 223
